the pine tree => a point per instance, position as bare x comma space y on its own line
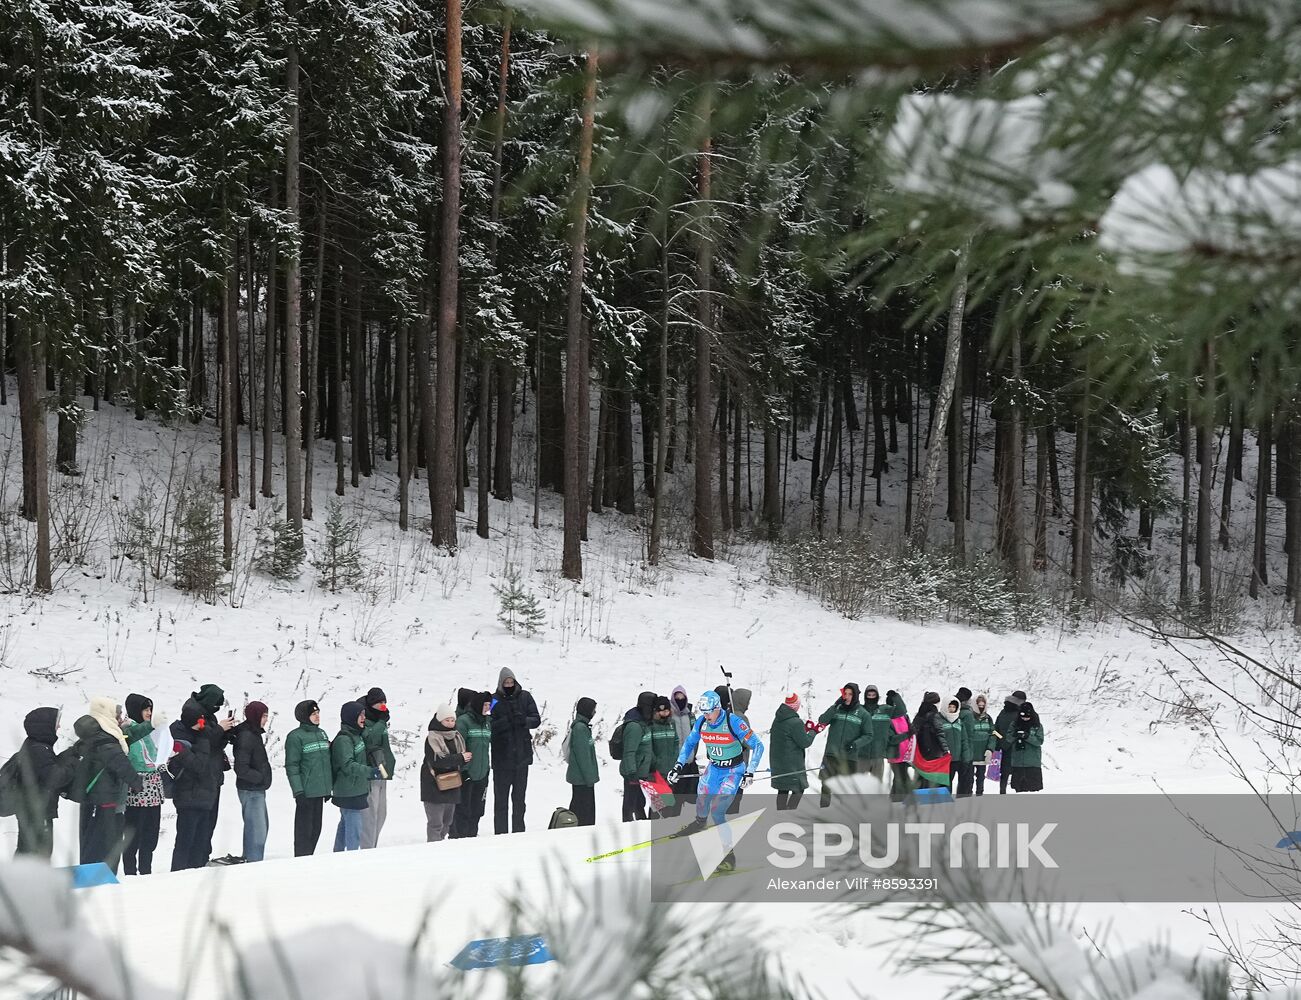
197, 560
338, 555
280, 550
519, 609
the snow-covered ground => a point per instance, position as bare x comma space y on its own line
429, 626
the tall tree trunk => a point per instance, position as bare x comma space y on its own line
576, 374
736, 460
503, 485
702, 533
1082, 527
294, 484
550, 407
1294, 504
337, 383
229, 462
313, 366
880, 447
829, 463
1259, 556
1041, 499
819, 425
720, 416
65, 446
269, 350
1185, 450
444, 466
1054, 480
948, 381
1009, 504
772, 456
360, 411
1233, 461
251, 367
602, 452
29, 352
662, 404
1206, 485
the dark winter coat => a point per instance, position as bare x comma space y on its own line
476, 729
638, 754
1028, 739
196, 770
955, 736
982, 724
665, 745
307, 757
973, 751
252, 767
444, 746
513, 718
379, 750
928, 728
104, 773
350, 768
43, 775
787, 744
883, 739
210, 698
849, 730
582, 769
1004, 726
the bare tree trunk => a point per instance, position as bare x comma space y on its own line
1041, 499
1206, 486
819, 426
772, 457
537, 428
720, 414
357, 375
269, 349
576, 374
29, 351
1294, 503
337, 374
602, 452
948, 381
313, 365
1230, 467
1259, 560
829, 464
1009, 503
251, 312
736, 460
1185, 449
445, 462
702, 534
228, 461
293, 303
1081, 569
403, 376
662, 406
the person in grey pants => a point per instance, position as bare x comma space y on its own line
379, 753
445, 754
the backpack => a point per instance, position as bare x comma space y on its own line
83, 779
564, 744
616, 737
562, 818
11, 785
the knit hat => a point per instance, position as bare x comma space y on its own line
444, 711
136, 706
964, 694
254, 712
376, 703
481, 699
210, 697
586, 707
662, 704
191, 713
350, 711
304, 709
465, 698
932, 697
792, 701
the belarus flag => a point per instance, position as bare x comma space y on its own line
934, 772
658, 792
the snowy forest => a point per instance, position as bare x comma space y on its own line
770, 262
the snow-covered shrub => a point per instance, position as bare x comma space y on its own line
137, 534
197, 558
280, 551
337, 560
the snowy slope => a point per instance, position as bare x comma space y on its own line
429, 626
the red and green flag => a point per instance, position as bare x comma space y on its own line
658, 792
934, 772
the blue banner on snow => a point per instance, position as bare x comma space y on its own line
85, 876
488, 953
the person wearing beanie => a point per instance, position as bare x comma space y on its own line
982, 724
848, 732
253, 777
195, 768
445, 754
873, 752
379, 751
211, 699
42, 775
964, 771
581, 770
351, 776
1027, 751
1001, 737
636, 764
475, 727
144, 809
514, 717
789, 739
665, 746
900, 750
307, 766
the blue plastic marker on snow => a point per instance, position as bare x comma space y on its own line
490, 953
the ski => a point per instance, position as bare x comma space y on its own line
716, 873
630, 848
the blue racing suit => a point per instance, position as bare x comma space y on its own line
725, 742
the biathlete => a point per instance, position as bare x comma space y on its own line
726, 738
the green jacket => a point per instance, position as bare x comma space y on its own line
378, 750
637, 751
477, 733
141, 751
884, 740
849, 731
981, 728
967, 715
349, 765
136, 731
955, 735
664, 745
1006, 725
308, 762
582, 768
1030, 753
787, 743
